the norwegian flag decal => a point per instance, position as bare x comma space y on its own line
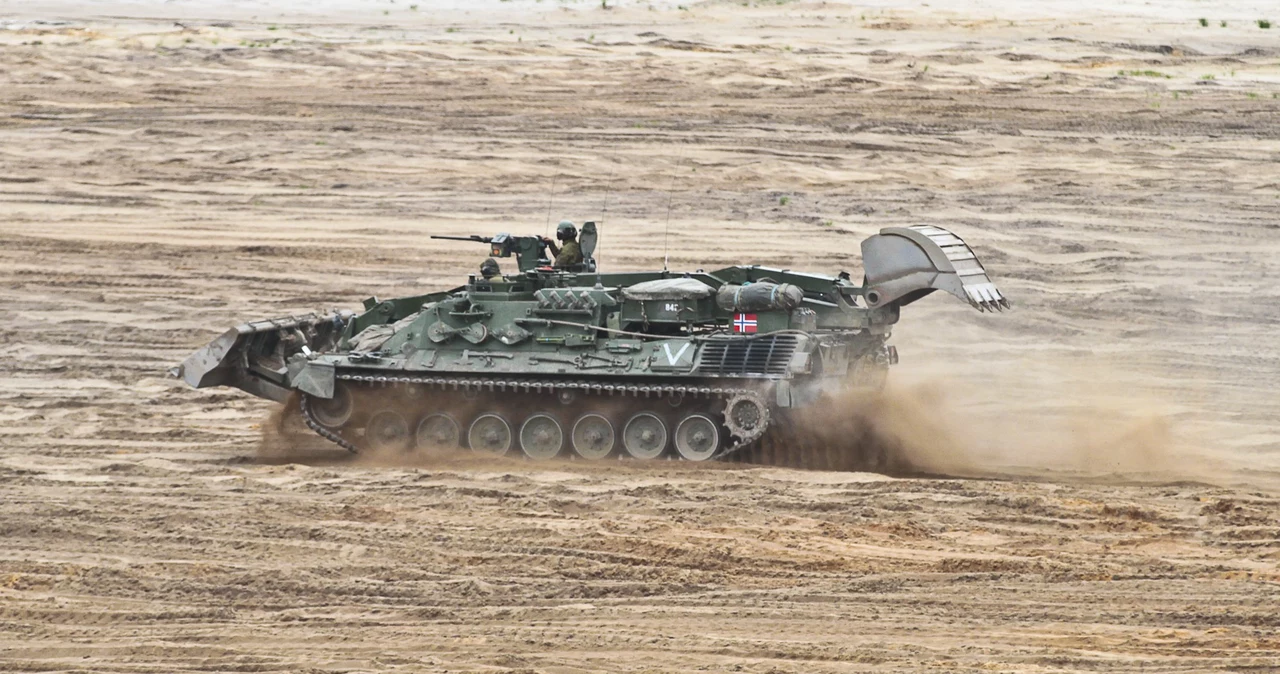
744, 322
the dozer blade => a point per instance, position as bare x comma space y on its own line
252, 357
903, 264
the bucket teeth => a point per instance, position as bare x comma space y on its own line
986, 297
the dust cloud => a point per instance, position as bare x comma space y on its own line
1048, 420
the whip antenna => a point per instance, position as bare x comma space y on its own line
666, 233
605, 209
550, 201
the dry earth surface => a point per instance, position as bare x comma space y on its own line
1107, 458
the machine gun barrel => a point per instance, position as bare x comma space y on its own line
474, 237
527, 249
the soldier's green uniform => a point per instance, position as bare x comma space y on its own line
568, 254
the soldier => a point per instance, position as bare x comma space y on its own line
568, 254
490, 270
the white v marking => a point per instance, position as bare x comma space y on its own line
673, 359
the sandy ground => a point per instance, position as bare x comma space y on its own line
1108, 456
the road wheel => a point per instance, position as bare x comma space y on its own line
541, 437
437, 432
489, 434
645, 436
332, 412
387, 432
593, 436
697, 438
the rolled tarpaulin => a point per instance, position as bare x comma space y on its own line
763, 296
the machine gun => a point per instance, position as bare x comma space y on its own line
531, 251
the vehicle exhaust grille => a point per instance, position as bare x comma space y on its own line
738, 357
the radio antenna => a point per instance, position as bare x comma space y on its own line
550, 201
605, 209
666, 233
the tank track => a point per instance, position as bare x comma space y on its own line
321, 430
551, 386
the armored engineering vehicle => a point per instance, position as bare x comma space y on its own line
588, 363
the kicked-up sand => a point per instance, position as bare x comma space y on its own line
1103, 462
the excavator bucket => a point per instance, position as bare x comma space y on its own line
253, 357
903, 264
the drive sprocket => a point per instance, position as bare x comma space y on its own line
746, 415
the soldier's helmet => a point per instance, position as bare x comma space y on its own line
565, 230
489, 268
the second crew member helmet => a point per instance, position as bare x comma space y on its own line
565, 230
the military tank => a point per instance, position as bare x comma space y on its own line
582, 362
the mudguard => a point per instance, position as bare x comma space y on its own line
903, 264
253, 357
